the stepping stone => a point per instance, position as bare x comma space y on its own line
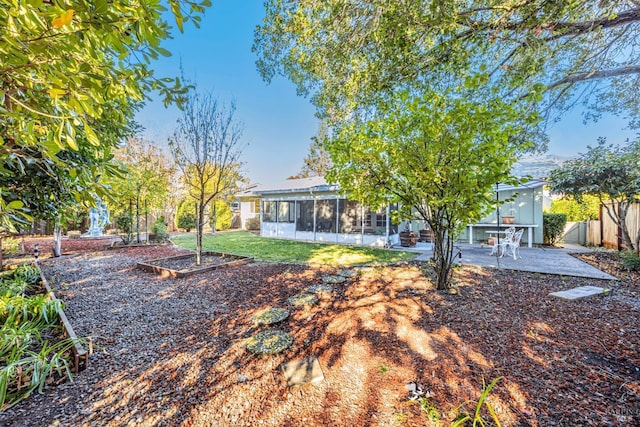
577, 293
347, 273
269, 342
321, 289
302, 371
302, 299
270, 316
334, 279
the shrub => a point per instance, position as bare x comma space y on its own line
253, 223
553, 227
124, 222
10, 246
159, 228
588, 208
223, 216
186, 215
630, 260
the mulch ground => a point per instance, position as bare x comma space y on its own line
172, 351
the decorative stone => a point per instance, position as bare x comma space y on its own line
580, 292
269, 342
302, 371
270, 316
321, 289
302, 299
347, 273
334, 279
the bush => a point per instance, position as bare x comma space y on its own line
588, 208
10, 246
553, 227
223, 216
124, 222
253, 223
186, 215
630, 260
159, 228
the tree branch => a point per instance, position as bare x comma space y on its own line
596, 74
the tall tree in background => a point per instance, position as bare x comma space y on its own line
73, 77
347, 55
147, 178
206, 147
609, 172
317, 162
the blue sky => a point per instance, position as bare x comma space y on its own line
278, 124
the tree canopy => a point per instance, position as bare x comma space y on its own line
72, 76
348, 54
206, 147
609, 172
317, 162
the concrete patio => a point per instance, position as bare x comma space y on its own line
538, 260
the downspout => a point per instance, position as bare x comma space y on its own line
388, 211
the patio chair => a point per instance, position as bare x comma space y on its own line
513, 244
498, 248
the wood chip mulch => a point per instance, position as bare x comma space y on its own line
172, 351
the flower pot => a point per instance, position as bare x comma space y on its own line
508, 219
408, 238
491, 241
426, 235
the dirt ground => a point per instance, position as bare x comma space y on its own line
172, 351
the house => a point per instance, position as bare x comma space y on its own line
311, 209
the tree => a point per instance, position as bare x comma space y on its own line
147, 178
609, 172
206, 147
73, 76
317, 162
587, 209
186, 215
345, 54
437, 155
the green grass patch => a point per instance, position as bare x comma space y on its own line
291, 251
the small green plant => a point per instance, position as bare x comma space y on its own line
383, 369
10, 246
553, 227
630, 260
477, 419
432, 412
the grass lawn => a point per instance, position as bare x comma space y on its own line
290, 251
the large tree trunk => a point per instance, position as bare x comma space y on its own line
57, 239
442, 250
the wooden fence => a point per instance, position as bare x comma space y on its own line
610, 232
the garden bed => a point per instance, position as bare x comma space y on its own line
185, 265
174, 352
34, 353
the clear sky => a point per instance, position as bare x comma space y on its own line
278, 124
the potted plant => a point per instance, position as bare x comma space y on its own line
408, 238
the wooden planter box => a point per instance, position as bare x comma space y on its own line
426, 236
408, 239
155, 265
80, 354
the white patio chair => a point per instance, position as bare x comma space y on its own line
508, 234
512, 244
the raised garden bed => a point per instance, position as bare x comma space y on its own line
185, 265
35, 352
80, 353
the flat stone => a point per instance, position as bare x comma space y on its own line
580, 292
302, 299
334, 279
302, 371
